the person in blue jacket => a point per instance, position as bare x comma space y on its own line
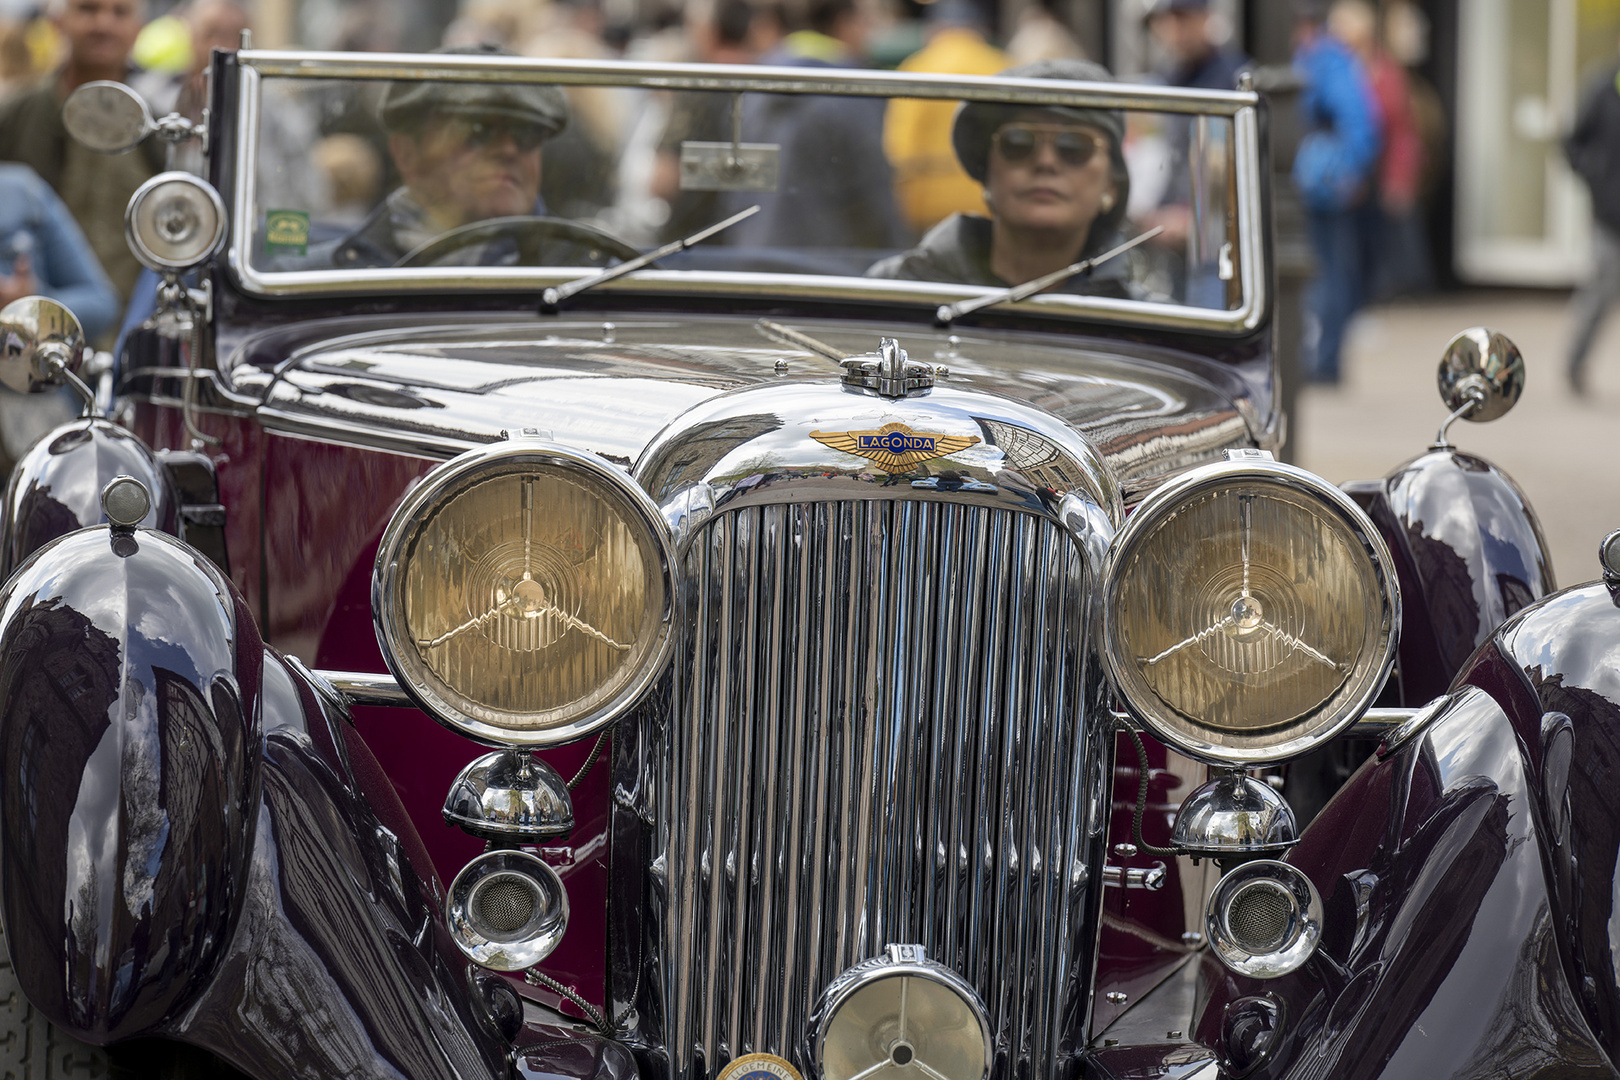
1333, 170
43, 253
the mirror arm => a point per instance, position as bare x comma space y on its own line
54, 358
175, 128
1476, 395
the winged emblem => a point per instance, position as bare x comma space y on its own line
894, 448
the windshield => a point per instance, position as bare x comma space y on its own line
913, 188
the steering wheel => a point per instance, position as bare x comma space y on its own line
541, 241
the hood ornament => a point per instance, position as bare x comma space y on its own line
888, 371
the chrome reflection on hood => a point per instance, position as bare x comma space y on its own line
813, 442
435, 389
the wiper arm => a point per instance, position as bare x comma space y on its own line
949, 312
557, 294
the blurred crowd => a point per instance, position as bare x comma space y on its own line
1361, 169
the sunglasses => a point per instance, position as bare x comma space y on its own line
481, 133
1017, 143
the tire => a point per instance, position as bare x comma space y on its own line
33, 1048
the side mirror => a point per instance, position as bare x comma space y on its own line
41, 345
1481, 377
108, 117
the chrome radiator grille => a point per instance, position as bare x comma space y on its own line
878, 739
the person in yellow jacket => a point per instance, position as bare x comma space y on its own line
930, 184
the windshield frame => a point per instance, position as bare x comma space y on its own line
1241, 107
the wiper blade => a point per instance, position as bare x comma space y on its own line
949, 312
788, 336
557, 294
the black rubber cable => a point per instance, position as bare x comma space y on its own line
1141, 801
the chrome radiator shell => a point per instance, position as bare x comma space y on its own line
877, 732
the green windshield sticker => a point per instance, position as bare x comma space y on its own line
286, 232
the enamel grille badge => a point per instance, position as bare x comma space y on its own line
894, 448
760, 1067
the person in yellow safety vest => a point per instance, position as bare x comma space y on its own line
930, 184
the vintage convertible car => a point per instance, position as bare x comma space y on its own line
512, 655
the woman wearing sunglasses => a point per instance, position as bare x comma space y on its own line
1055, 186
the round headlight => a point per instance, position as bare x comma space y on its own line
1250, 612
522, 593
899, 1016
174, 221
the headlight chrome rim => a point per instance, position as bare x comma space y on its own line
139, 243
1282, 883
432, 492
1157, 717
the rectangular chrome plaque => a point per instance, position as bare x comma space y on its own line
723, 166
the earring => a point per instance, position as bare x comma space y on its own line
1108, 202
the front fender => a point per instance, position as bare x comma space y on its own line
1556, 670
1468, 554
56, 488
129, 710
1442, 952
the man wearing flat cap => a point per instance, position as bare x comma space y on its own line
467, 152
1055, 185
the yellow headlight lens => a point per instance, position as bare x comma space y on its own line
1250, 614
523, 597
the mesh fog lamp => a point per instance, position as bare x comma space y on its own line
1264, 919
174, 221
901, 1016
523, 593
1250, 612
507, 910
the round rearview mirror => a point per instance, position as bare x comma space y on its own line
108, 117
1483, 367
41, 344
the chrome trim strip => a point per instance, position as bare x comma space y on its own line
1376, 723
1419, 720
364, 688
1247, 133
1237, 105
329, 430
879, 737
727, 77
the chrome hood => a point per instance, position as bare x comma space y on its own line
436, 389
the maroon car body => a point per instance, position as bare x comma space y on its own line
884, 717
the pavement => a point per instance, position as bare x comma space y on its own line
1563, 451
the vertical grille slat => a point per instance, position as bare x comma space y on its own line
877, 739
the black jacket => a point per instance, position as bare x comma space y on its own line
957, 252
1593, 145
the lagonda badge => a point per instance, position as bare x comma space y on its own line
894, 448
760, 1067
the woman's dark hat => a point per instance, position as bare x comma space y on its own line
977, 121
408, 103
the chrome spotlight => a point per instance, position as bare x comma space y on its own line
507, 910
898, 1010
1264, 919
510, 797
1234, 816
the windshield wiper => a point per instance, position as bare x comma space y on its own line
949, 312
557, 294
